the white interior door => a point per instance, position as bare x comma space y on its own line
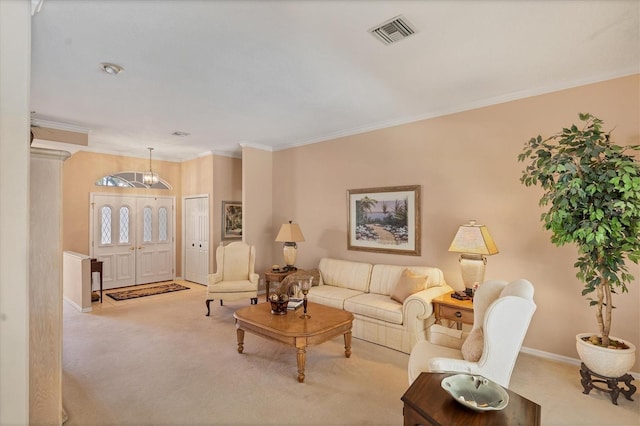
133, 237
154, 251
196, 213
113, 238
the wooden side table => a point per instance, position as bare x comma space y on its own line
459, 311
426, 403
271, 276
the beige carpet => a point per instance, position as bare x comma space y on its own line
159, 360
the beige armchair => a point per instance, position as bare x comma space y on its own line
502, 313
235, 278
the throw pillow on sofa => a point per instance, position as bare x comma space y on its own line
408, 284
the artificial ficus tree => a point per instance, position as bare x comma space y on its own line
592, 199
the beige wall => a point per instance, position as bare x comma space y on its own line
197, 179
197, 176
257, 218
227, 186
467, 166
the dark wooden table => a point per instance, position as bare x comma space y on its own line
426, 403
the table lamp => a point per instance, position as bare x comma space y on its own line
290, 234
473, 242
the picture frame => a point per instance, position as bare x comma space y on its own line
231, 220
384, 220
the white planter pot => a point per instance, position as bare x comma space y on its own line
604, 361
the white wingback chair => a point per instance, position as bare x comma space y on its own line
235, 278
502, 313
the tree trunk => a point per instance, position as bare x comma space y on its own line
608, 308
599, 306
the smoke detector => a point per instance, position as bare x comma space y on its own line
393, 30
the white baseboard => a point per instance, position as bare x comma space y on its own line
75, 305
561, 358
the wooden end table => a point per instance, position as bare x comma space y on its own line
426, 403
271, 276
459, 311
324, 324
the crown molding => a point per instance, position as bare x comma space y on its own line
59, 126
256, 146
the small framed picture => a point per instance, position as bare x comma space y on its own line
231, 220
384, 220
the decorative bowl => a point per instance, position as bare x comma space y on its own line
476, 392
279, 304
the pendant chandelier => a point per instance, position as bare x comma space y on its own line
150, 178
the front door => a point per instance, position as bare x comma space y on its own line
133, 237
154, 254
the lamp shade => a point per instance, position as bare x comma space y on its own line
474, 239
290, 232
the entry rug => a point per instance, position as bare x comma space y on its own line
149, 291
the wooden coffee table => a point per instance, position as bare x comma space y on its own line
325, 324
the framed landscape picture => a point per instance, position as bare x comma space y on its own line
384, 220
231, 220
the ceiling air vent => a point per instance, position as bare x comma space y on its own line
393, 30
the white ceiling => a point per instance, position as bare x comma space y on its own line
277, 74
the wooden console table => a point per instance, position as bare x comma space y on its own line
426, 403
96, 266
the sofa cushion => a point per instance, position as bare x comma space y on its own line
385, 277
232, 286
345, 274
330, 295
408, 284
378, 306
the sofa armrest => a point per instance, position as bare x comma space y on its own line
418, 306
254, 278
417, 312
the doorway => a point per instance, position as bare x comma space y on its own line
134, 238
196, 236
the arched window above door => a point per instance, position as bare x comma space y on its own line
131, 180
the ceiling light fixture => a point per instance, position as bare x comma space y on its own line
112, 69
149, 178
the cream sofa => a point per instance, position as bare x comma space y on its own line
364, 289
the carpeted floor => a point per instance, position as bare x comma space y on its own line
160, 361
134, 293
